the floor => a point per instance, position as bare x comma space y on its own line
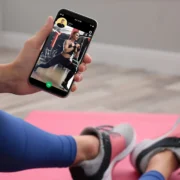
105, 88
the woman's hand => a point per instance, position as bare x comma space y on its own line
19, 71
78, 46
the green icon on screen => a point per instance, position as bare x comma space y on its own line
49, 84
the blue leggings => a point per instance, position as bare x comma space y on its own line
152, 175
23, 146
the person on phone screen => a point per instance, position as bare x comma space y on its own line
70, 48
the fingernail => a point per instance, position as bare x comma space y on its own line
48, 21
80, 77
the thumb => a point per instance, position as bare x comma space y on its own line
41, 36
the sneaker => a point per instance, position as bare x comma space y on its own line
115, 144
145, 150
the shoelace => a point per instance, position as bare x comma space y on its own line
108, 129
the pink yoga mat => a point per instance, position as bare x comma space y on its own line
146, 126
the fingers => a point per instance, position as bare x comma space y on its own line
41, 36
74, 88
87, 59
82, 67
78, 77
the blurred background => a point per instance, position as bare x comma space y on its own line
136, 59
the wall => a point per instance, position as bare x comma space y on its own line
1, 19
150, 24
130, 32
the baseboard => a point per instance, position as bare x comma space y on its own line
149, 60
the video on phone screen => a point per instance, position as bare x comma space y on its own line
61, 56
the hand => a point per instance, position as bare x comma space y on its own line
24, 63
77, 45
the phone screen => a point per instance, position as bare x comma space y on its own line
63, 52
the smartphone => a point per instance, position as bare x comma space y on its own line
63, 52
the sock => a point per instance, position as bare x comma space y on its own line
152, 175
24, 146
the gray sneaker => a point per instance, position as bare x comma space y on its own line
145, 150
115, 144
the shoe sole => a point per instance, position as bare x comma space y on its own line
148, 143
124, 153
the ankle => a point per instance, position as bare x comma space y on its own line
164, 162
87, 148
164, 157
92, 149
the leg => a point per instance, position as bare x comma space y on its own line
49, 64
161, 166
23, 146
158, 158
72, 69
152, 175
115, 144
45, 66
71, 73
